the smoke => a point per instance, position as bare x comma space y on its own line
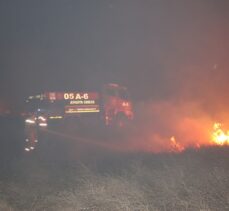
187, 123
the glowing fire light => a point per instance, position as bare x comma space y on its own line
175, 146
220, 137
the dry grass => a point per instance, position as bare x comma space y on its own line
193, 180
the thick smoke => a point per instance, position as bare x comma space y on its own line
186, 122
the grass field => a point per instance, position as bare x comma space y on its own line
191, 180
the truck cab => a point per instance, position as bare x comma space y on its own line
117, 105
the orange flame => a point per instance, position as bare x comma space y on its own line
175, 146
219, 137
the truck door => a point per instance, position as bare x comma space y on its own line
110, 103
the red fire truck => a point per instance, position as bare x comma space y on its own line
110, 105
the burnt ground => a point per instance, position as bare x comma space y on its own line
71, 172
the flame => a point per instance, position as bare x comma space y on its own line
175, 146
220, 137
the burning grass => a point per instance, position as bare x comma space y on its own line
191, 180
176, 125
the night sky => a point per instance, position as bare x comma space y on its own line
159, 49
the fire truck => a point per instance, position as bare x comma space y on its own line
111, 106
